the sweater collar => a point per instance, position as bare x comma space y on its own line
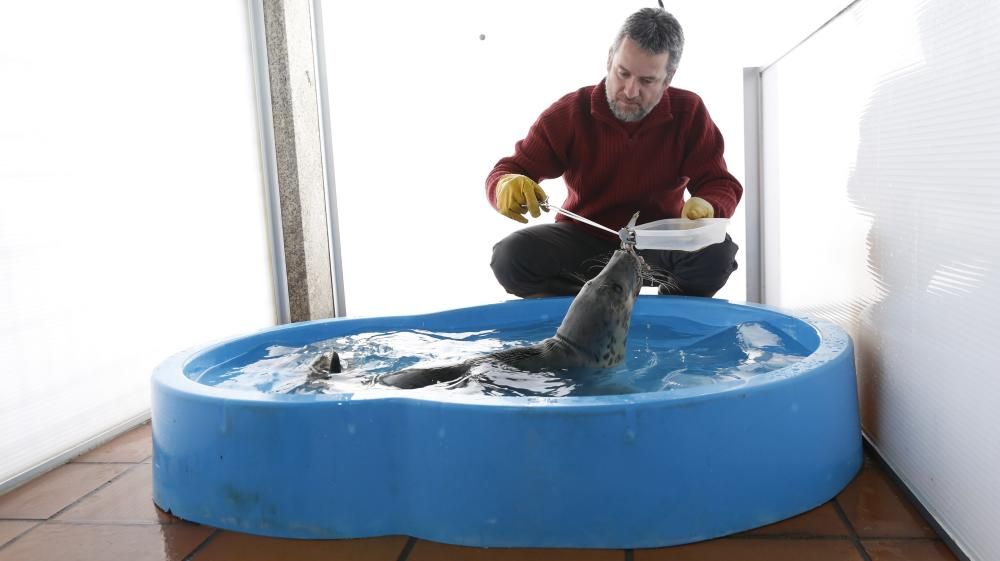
599, 108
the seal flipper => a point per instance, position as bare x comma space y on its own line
324, 365
412, 378
335, 366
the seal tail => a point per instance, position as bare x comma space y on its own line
412, 378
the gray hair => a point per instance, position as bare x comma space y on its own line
656, 31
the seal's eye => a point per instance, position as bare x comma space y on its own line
617, 288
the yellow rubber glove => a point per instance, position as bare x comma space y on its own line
517, 194
697, 207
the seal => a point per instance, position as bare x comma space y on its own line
592, 334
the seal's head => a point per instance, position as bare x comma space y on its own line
597, 321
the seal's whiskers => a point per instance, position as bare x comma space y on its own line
662, 278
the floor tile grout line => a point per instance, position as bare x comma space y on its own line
111, 442
91, 492
116, 523
900, 539
99, 487
909, 496
407, 548
790, 537
103, 462
853, 532
862, 551
22, 534
855, 537
208, 539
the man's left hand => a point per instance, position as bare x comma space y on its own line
697, 207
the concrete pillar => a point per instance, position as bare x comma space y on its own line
305, 223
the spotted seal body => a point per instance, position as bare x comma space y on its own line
592, 335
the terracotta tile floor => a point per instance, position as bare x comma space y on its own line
99, 507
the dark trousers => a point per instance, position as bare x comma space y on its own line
557, 259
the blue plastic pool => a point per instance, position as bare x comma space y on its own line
605, 471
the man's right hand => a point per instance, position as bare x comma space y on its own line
517, 194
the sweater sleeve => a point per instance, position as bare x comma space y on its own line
542, 154
705, 165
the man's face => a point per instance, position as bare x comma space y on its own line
636, 80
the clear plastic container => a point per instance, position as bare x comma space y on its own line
680, 233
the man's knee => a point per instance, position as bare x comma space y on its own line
719, 264
722, 253
512, 264
706, 271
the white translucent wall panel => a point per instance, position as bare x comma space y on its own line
131, 209
422, 109
881, 177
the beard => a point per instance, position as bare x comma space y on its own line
624, 112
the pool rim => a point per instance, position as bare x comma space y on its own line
173, 373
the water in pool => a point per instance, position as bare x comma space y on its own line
662, 354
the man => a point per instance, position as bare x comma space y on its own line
630, 143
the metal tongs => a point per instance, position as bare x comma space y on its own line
626, 234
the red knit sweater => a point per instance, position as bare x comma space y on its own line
613, 169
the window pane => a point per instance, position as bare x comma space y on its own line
426, 97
